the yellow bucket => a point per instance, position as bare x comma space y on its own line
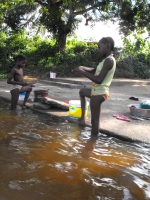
75, 109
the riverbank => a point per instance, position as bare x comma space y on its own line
120, 92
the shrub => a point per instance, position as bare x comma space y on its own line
133, 61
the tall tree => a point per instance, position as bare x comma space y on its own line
6, 5
62, 17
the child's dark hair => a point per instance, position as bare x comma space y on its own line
20, 57
108, 40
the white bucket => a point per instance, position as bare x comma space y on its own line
75, 108
22, 96
52, 75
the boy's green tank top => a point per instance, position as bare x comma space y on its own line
103, 88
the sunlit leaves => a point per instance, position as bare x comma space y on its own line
61, 17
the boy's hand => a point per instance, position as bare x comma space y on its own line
24, 84
32, 85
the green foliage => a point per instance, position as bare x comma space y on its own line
3, 76
61, 18
17, 42
77, 53
43, 56
134, 60
4, 61
2, 39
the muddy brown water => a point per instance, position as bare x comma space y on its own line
45, 158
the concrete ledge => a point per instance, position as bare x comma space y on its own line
60, 84
118, 101
121, 82
64, 115
84, 82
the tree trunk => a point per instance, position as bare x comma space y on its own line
62, 37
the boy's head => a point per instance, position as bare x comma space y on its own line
106, 45
20, 60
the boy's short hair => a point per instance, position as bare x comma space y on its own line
108, 40
20, 57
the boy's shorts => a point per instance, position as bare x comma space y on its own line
14, 86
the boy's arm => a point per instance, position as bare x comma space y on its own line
108, 64
11, 81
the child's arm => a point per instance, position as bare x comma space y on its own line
31, 84
108, 64
11, 77
87, 69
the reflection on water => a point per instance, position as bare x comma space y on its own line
45, 158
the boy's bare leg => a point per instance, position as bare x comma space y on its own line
14, 98
95, 104
28, 90
25, 99
85, 92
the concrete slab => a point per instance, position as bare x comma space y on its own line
85, 81
118, 101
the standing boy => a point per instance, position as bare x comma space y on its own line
17, 83
101, 78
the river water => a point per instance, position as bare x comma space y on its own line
46, 158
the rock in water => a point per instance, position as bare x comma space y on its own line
55, 103
41, 106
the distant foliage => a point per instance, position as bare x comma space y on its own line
43, 56
134, 59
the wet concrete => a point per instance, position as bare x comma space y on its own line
120, 92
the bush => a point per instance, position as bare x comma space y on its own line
132, 67
133, 61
